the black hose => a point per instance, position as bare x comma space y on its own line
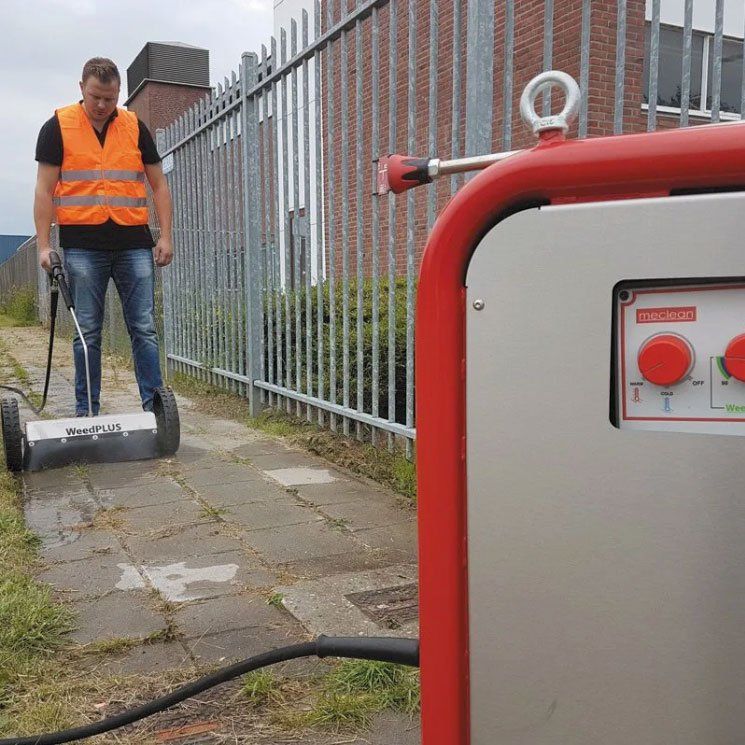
400, 651
24, 396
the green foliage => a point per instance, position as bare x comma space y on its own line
357, 689
20, 306
332, 327
31, 624
261, 687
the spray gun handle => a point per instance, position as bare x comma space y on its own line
58, 276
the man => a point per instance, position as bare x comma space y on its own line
93, 160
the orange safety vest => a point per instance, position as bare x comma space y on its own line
100, 183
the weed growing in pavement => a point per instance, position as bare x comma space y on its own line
276, 599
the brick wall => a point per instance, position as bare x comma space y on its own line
158, 104
528, 61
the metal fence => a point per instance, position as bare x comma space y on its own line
19, 271
294, 284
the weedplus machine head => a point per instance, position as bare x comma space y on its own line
49, 443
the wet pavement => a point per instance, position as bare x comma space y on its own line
238, 544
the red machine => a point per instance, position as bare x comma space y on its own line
573, 699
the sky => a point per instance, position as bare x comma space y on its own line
44, 43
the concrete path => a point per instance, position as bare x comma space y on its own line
236, 545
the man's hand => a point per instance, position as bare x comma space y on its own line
44, 261
163, 252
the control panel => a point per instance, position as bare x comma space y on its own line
681, 358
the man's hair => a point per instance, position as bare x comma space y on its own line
103, 69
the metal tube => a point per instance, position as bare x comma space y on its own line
85, 357
331, 180
410, 217
654, 65
286, 219
307, 234
269, 235
509, 63
345, 217
277, 234
359, 135
584, 68
432, 123
685, 76
548, 50
392, 111
455, 127
297, 239
375, 238
620, 67
716, 77
320, 384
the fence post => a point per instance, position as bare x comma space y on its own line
251, 226
479, 77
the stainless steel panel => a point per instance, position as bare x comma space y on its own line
606, 566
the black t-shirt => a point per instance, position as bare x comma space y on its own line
109, 234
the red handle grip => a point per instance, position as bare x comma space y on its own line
397, 173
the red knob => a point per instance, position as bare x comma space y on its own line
734, 358
665, 359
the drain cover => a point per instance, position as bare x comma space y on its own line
389, 607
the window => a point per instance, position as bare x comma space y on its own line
669, 81
731, 75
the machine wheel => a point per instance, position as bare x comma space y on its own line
166, 415
12, 434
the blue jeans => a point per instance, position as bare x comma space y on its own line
88, 272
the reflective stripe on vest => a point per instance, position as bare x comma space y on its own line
96, 175
100, 200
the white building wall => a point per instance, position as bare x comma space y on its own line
672, 13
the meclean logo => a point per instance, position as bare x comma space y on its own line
682, 314
95, 429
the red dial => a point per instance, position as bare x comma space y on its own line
734, 357
665, 359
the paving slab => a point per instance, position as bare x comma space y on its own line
193, 540
149, 659
299, 542
245, 492
302, 475
159, 492
364, 514
198, 577
344, 489
259, 446
257, 515
237, 644
401, 536
287, 459
226, 613
81, 544
87, 577
391, 728
323, 605
353, 561
103, 618
158, 516
224, 473
53, 480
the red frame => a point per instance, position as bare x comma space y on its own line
553, 172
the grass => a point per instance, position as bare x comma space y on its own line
355, 690
260, 687
19, 307
210, 512
377, 463
32, 625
